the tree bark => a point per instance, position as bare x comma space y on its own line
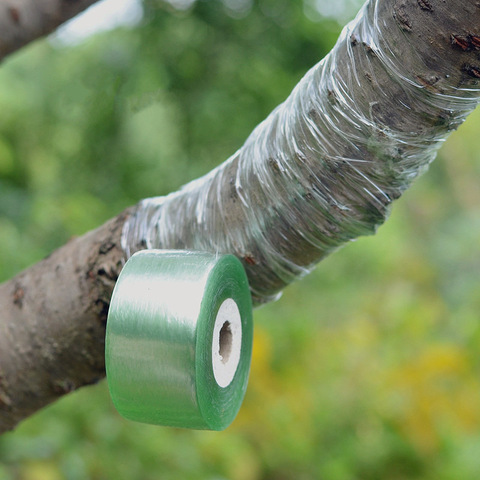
321, 170
23, 21
325, 166
52, 322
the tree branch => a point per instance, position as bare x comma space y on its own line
325, 166
52, 323
23, 21
321, 170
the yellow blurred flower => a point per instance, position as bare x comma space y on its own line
433, 394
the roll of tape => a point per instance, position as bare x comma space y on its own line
179, 339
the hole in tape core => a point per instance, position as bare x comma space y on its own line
226, 342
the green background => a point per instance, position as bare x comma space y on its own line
366, 369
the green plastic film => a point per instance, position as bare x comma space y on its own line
179, 339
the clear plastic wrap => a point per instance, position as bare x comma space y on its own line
326, 164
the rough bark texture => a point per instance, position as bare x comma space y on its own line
52, 322
53, 314
22, 21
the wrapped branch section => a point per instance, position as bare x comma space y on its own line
326, 164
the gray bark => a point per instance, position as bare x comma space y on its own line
325, 166
52, 322
53, 314
23, 21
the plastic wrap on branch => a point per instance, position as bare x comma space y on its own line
326, 164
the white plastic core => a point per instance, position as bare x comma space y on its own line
226, 343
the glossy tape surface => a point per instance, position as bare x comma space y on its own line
160, 327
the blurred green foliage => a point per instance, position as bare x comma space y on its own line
367, 369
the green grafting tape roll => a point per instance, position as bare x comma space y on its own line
179, 339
